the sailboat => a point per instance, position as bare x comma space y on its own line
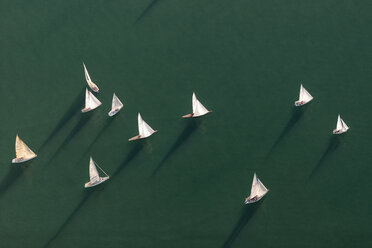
23, 152
92, 85
94, 178
144, 129
197, 108
258, 191
304, 97
116, 106
341, 126
91, 102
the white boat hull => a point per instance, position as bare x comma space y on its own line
93, 86
249, 201
21, 160
300, 103
141, 137
101, 180
114, 112
339, 131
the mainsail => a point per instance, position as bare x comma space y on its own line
92, 85
91, 102
304, 95
22, 150
341, 125
93, 173
144, 129
258, 189
197, 108
116, 103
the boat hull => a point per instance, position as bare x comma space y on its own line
21, 160
249, 201
339, 131
114, 112
141, 137
101, 180
93, 86
300, 103
192, 115
84, 110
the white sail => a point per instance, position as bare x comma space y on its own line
304, 95
22, 150
91, 102
93, 173
258, 189
92, 85
116, 103
197, 108
341, 125
144, 129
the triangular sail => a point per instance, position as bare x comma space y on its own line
258, 189
339, 123
92, 85
93, 173
116, 103
22, 150
304, 95
344, 126
197, 108
144, 129
90, 100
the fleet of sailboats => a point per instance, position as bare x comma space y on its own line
116, 105
23, 152
197, 108
258, 191
341, 126
94, 178
304, 97
92, 85
144, 130
91, 102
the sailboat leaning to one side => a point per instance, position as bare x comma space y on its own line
304, 97
94, 178
144, 129
341, 126
23, 152
91, 102
92, 85
197, 108
258, 191
116, 105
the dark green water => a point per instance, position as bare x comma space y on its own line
185, 185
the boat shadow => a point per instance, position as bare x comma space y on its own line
146, 10
297, 113
84, 199
79, 125
71, 112
99, 134
333, 144
12, 176
247, 213
136, 149
188, 130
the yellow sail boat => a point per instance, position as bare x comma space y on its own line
23, 152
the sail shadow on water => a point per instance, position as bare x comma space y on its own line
147, 9
333, 144
78, 126
189, 129
133, 153
296, 115
85, 197
99, 134
247, 213
14, 173
71, 112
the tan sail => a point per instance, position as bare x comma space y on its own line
23, 152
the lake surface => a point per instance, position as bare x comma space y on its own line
185, 185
